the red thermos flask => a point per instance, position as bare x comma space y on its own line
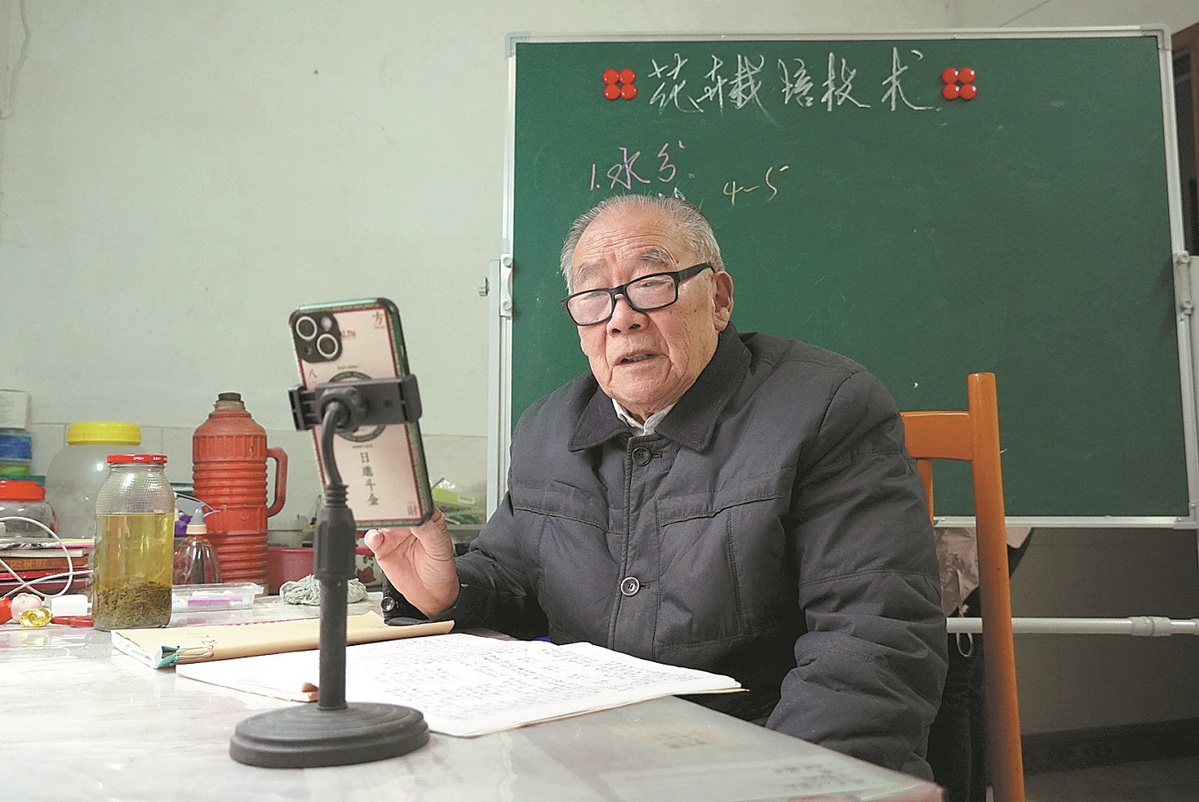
229, 455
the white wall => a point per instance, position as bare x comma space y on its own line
182, 175
5, 27
1174, 14
178, 176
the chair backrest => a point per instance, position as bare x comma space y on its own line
973, 436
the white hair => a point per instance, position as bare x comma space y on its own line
696, 230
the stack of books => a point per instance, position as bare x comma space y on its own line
44, 565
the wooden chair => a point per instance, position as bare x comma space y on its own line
973, 436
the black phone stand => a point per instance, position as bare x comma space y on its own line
334, 733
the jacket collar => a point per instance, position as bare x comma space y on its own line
693, 418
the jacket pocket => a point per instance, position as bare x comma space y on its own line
560, 500
727, 570
575, 570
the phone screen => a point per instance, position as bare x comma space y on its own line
383, 467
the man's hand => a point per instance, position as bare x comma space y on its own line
419, 563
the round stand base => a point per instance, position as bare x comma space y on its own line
305, 736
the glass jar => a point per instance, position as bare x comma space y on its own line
77, 471
135, 538
25, 500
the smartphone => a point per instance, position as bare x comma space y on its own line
383, 467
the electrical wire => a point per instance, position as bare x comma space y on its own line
28, 585
335, 414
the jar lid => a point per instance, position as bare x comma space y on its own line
145, 459
17, 490
104, 431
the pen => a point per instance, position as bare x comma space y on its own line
72, 620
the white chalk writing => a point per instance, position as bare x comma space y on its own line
721, 84
732, 189
715, 87
671, 87
746, 83
894, 88
840, 93
623, 172
797, 85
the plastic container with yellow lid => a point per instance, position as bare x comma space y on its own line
77, 471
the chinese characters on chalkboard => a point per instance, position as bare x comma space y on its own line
746, 81
689, 86
625, 173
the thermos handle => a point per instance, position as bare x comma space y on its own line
280, 458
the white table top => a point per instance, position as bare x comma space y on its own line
81, 721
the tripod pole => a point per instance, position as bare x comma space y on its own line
333, 564
332, 733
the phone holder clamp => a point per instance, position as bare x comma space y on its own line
363, 402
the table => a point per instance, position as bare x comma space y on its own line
82, 721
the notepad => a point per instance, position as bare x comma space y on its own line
162, 648
467, 685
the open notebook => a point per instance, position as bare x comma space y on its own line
467, 685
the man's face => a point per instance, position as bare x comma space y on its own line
647, 360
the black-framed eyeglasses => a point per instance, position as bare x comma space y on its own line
645, 294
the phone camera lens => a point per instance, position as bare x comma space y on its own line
306, 328
328, 346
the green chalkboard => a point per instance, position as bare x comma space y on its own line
1026, 231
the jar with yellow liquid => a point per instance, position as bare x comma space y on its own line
134, 551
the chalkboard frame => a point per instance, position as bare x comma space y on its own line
503, 273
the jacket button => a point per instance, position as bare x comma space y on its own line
629, 585
641, 456
388, 604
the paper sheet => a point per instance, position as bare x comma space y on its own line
467, 685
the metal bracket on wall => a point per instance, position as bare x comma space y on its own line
506, 285
1186, 303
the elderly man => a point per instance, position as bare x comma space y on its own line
737, 503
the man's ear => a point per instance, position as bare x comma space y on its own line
723, 302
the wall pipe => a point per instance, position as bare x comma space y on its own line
1150, 626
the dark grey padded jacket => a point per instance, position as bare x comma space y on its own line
773, 529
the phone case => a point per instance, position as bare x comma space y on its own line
383, 467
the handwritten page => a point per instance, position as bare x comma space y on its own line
467, 685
